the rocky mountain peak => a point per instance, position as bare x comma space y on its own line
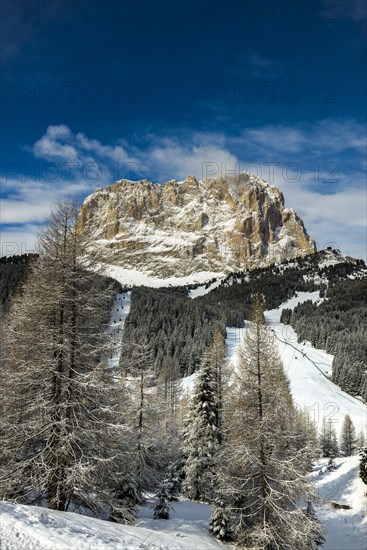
180, 228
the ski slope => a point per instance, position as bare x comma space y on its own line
120, 310
308, 370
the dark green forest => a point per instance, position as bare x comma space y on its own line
180, 329
13, 271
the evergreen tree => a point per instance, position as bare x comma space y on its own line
220, 521
361, 440
202, 435
172, 482
263, 466
128, 496
162, 507
331, 466
61, 422
328, 439
363, 465
348, 437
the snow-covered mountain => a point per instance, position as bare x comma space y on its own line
182, 228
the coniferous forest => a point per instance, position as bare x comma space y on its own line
81, 433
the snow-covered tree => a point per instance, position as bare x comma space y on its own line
162, 507
145, 441
172, 482
361, 440
311, 514
363, 465
262, 463
61, 423
328, 439
202, 435
348, 437
220, 521
331, 466
127, 497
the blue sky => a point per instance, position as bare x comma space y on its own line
94, 91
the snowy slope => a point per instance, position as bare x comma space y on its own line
308, 369
131, 277
33, 528
345, 529
120, 310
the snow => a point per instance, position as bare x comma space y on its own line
131, 277
35, 528
308, 370
344, 529
201, 290
187, 383
120, 311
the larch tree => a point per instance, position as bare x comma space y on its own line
263, 467
348, 437
60, 420
146, 448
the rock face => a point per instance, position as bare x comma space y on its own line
180, 228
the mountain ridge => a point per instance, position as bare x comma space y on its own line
179, 228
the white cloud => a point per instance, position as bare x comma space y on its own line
330, 134
334, 213
52, 145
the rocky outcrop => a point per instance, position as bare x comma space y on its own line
179, 228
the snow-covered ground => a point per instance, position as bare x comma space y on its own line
201, 290
345, 529
308, 370
34, 528
131, 277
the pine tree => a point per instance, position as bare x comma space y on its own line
363, 465
202, 436
172, 482
361, 440
331, 466
61, 418
220, 521
328, 439
348, 437
162, 507
263, 467
127, 496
